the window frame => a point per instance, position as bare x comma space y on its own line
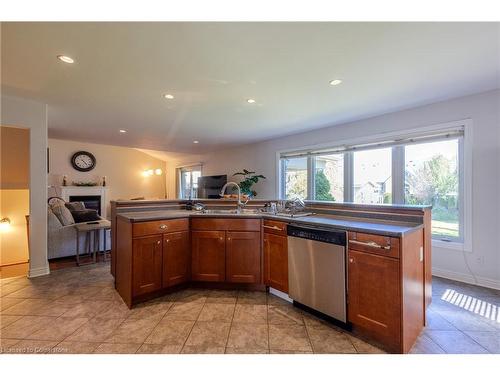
464, 242
190, 169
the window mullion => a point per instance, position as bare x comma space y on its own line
348, 177
398, 175
310, 177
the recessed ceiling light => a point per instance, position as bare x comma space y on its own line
196, 142
251, 101
66, 59
168, 96
335, 82
122, 131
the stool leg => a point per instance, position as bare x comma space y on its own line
96, 244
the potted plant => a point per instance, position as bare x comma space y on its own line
249, 179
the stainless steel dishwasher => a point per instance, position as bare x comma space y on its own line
317, 269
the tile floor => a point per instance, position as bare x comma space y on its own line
76, 310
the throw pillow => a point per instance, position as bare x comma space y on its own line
75, 206
82, 216
62, 213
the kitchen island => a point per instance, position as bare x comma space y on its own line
159, 247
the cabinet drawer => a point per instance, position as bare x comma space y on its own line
160, 226
374, 244
248, 225
275, 227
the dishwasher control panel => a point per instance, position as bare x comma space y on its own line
315, 234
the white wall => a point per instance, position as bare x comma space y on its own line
33, 115
483, 109
122, 166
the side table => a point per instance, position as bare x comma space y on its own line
92, 231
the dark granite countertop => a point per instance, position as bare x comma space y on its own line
382, 227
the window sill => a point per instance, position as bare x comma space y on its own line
459, 246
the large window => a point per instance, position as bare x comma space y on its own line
295, 175
421, 169
432, 177
329, 178
373, 176
188, 181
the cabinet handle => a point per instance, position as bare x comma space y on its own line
221, 239
163, 226
158, 242
167, 241
229, 238
274, 227
351, 260
371, 244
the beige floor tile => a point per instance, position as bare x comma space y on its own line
217, 312
329, 341
313, 321
203, 349
273, 300
289, 337
25, 326
5, 320
170, 332
87, 309
159, 349
27, 307
253, 298
150, 310
222, 296
209, 334
276, 351
132, 331
488, 340
7, 343
282, 314
246, 351
58, 329
248, 336
184, 311
362, 347
73, 347
6, 302
32, 347
95, 330
107, 348
456, 342
246, 313
424, 345
116, 310
192, 295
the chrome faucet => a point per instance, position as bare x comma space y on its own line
240, 203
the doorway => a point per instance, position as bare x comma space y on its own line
14, 201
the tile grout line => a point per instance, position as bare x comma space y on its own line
231, 324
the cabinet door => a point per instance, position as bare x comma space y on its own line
374, 296
176, 258
208, 255
276, 262
146, 264
243, 260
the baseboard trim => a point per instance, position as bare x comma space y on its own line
41, 271
466, 278
280, 294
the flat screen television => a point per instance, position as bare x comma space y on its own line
209, 187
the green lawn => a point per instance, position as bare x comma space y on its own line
443, 228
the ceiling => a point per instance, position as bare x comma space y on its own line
122, 71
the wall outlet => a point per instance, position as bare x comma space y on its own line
480, 260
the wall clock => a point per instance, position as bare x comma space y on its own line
83, 161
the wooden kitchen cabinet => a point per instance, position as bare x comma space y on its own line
276, 261
243, 258
208, 252
176, 258
147, 264
373, 295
